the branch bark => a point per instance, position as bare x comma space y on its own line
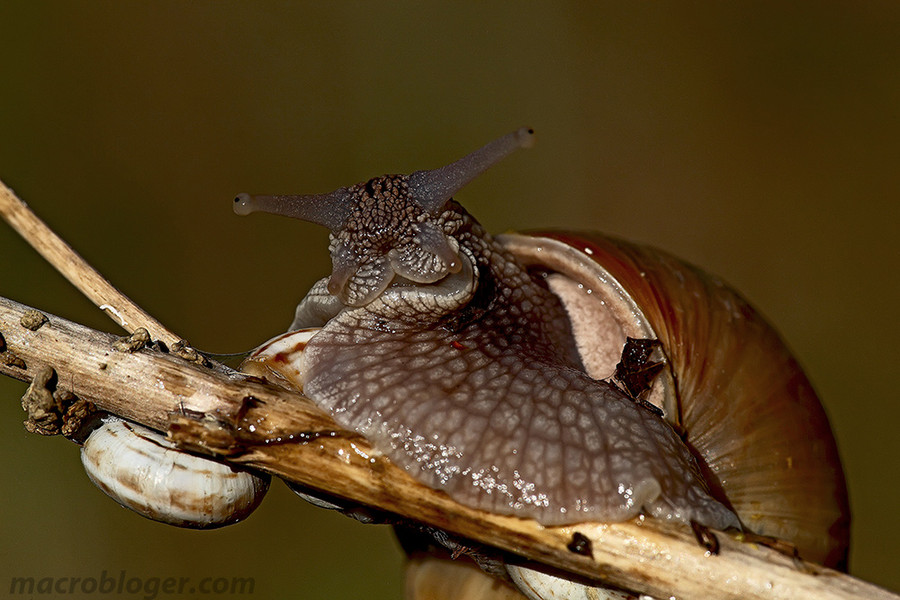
262, 426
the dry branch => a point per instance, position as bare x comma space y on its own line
263, 426
83, 276
250, 423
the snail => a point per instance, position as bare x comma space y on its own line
141, 470
487, 368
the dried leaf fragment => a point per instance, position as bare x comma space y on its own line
44, 411
636, 371
77, 414
33, 319
181, 349
11, 360
134, 342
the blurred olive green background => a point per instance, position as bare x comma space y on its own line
757, 140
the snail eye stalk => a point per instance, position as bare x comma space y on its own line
330, 210
431, 189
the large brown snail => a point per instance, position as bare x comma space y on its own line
483, 366
560, 377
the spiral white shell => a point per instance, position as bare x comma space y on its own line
141, 470
541, 586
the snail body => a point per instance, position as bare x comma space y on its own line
142, 471
483, 367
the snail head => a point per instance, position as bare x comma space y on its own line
390, 225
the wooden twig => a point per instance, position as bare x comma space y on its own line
263, 426
83, 276
253, 424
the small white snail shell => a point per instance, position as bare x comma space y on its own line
536, 585
441, 579
141, 470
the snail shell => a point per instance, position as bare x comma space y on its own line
141, 470
432, 578
480, 364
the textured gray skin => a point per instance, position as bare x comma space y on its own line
385, 234
473, 383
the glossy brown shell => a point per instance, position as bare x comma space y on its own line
747, 408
